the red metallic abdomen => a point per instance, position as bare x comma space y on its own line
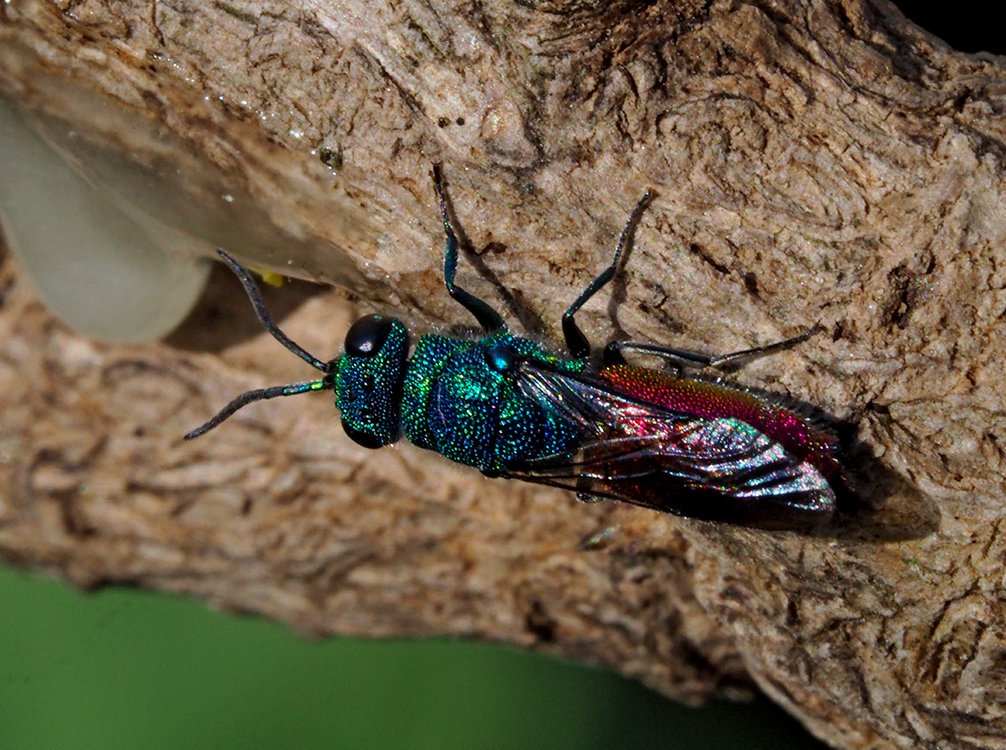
711, 400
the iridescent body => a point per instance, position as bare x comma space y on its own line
509, 407
713, 400
460, 399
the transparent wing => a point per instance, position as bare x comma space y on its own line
631, 450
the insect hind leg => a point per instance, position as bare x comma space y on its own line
684, 359
488, 318
576, 342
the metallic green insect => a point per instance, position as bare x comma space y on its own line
667, 440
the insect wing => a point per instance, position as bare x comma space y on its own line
716, 469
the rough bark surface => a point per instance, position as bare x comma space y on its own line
814, 162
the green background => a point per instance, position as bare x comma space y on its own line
131, 669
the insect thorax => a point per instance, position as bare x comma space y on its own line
460, 399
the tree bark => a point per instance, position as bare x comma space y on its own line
813, 163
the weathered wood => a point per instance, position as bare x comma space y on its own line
814, 162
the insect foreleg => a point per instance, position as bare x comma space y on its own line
490, 320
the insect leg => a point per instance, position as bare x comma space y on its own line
576, 342
488, 318
684, 359
251, 289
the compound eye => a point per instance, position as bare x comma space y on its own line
366, 336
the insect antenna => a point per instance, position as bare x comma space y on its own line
329, 368
326, 383
251, 289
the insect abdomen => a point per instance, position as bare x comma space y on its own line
701, 398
